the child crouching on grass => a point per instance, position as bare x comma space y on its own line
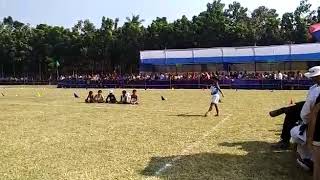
111, 98
99, 98
124, 98
90, 98
134, 98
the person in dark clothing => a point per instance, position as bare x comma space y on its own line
90, 98
111, 98
292, 117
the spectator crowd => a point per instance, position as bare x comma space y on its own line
189, 76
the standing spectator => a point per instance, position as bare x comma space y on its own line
285, 76
300, 76
274, 75
280, 76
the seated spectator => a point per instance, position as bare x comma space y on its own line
124, 98
134, 97
99, 98
111, 98
299, 133
313, 140
292, 117
90, 98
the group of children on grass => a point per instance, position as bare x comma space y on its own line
125, 98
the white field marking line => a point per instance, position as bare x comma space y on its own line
190, 147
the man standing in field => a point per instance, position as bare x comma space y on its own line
214, 89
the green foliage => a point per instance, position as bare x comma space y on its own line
84, 48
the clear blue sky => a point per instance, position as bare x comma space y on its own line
68, 12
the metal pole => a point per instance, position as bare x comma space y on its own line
254, 59
165, 55
222, 59
40, 71
14, 70
255, 67
2, 74
290, 54
145, 84
57, 73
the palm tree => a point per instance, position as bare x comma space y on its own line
135, 19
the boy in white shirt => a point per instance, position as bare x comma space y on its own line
214, 89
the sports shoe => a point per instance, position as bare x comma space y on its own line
306, 164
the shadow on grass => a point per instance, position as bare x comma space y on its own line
276, 132
104, 103
259, 162
82, 102
188, 115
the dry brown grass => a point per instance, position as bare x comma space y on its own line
56, 136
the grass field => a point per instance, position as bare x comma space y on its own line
56, 136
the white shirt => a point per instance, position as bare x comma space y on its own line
128, 97
313, 94
280, 76
214, 90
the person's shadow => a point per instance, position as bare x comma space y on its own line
188, 115
258, 161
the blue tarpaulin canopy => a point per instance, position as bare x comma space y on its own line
283, 53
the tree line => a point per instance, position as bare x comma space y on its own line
38, 51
